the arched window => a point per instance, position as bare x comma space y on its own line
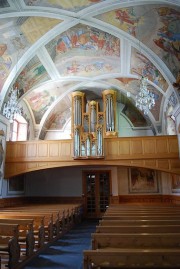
19, 129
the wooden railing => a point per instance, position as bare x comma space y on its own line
157, 152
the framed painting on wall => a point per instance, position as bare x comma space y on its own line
175, 183
142, 180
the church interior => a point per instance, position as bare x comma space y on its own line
90, 122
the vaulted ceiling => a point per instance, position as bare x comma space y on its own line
49, 48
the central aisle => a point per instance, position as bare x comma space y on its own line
66, 252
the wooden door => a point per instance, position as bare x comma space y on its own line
97, 189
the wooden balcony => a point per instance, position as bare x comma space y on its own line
155, 152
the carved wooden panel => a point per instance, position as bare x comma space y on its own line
65, 150
10, 151
43, 150
124, 147
173, 145
53, 150
21, 151
136, 147
149, 146
112, 149
31, 150
162, 146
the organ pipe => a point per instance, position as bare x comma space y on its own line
109, 97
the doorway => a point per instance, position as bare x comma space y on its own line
97, 190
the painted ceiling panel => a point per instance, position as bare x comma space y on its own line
16, 36
70, 5
157, 26
158, 98
35, 27
60, 115
32, 75
40, 102
135, 117
12, 46
142, 66
85, 51
43, 97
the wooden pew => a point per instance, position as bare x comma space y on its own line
9, 246
168, 214
139, 207
132, 258
61, 220
147, 217
136, 240
130, 222
142, 210
38, 227
139, 229
47, 219
26, 233
55, 223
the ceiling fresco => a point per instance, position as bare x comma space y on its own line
73, 5
33, 74
43, 97
16, 36
34, 28
49, 48
141, 65
59, 116
85, 51
157, 26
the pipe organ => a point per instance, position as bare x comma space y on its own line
90, 125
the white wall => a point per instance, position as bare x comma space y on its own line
125, 129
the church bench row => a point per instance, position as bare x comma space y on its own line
139, 207
139, 229
129, 239
132, 258
132, 211
38, 224
132, 222
53, 223
45, 228
26, 234
9, 246
136, 213
135, 240
142, 217
65, 215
